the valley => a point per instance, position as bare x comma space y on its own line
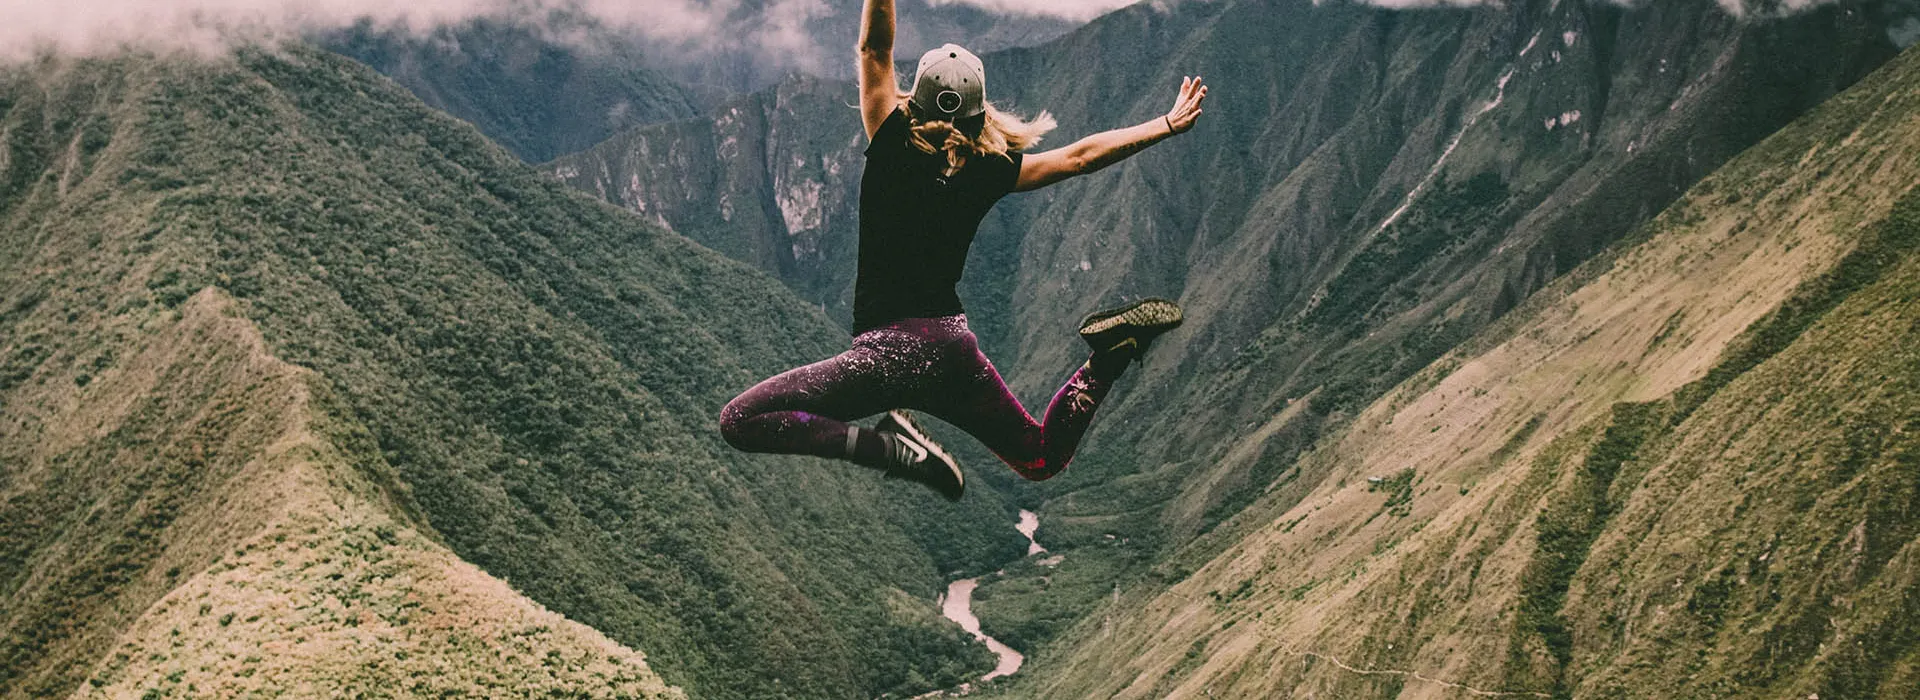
1543, 349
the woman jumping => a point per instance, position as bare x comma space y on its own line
938, 158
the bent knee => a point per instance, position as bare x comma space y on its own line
734, 424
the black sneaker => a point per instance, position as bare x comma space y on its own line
1129, 329
916, 457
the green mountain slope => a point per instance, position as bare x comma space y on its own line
524, 376
214, 480
1685, 470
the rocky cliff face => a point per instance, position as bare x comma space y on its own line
771, 178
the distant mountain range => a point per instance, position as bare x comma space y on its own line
530, 93
559, 83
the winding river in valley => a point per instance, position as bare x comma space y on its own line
957, 605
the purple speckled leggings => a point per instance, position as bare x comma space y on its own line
931, 365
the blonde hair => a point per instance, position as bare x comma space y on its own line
1001, 132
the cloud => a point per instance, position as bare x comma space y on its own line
1075, 10
1737, 8
1906, 33
776, 28
92, 26
1425, 4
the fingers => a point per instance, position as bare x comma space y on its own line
1192, 90
1186, 109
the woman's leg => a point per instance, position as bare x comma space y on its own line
977, 400
807, 410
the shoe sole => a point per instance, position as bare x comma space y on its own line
1149, 315
903, 423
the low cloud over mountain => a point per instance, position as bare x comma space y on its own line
1080, 10
87, 26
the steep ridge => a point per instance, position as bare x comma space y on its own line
528, 377
1372, 187
213, 472
1684, 470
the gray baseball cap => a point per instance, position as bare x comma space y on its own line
950, 84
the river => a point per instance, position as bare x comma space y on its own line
957, 605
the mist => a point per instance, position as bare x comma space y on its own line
1075, 10
96, 26
782, 32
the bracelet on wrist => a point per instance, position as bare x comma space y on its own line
1169, 121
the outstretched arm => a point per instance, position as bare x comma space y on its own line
879, 91
1108, 147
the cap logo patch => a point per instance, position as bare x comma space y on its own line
948, 101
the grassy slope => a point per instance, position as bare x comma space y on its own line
302, 580
533, 375
1683, 470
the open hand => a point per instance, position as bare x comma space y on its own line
1186, 109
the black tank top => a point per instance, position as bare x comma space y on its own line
916, 225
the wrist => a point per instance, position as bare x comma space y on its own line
1169, 121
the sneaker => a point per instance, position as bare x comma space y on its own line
1129, 329
916, 457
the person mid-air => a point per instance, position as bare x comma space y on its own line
938, 158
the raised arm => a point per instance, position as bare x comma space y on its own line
879, 90
1108, 147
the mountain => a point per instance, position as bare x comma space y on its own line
1686, 469
207, 533
760, 42
1370, 188
309, 386
561, 82
772, 179
531, 93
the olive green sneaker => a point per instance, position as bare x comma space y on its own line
1128, 330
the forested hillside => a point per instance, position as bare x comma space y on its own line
454, 358
1687, 469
